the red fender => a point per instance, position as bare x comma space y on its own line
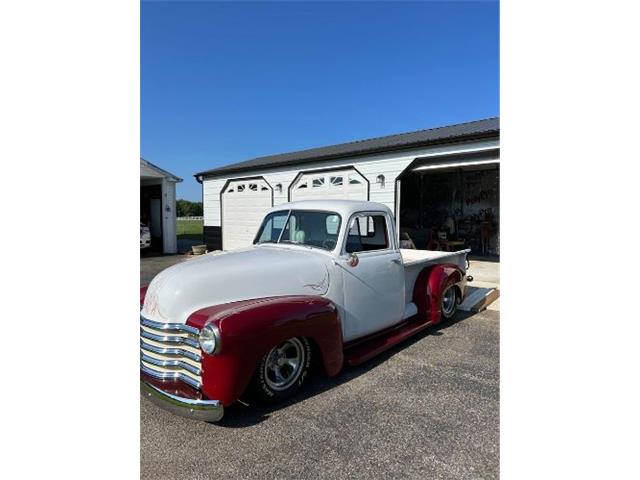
429, 287
143, 293
249, 329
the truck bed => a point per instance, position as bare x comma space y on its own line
415, 260
414, 257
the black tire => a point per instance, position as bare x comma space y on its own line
267, 385
449, 302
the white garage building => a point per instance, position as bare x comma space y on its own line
158, 206
441, 178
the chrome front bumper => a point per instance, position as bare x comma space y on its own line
205, 410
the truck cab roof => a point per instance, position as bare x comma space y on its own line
345, 208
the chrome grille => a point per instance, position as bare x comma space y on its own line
170, 351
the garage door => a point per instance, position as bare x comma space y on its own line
244, 204
346, 184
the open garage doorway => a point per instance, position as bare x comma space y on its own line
151, 214
157, 208
452, 208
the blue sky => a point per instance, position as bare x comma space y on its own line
223, 82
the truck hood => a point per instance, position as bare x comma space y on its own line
214, 279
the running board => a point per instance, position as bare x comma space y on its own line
367, 349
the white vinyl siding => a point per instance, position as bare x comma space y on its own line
169, 226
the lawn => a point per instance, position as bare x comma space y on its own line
190, 229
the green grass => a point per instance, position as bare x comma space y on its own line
190, 230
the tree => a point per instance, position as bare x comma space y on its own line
185, 208
198, 211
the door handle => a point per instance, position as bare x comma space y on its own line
397, 261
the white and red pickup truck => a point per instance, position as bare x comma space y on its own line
325, 282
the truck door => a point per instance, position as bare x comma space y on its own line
373, 276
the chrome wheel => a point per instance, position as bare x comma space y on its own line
284, 364
449, 299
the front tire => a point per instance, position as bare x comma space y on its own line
449, 302
283, 370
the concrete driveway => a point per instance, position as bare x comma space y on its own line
429, 408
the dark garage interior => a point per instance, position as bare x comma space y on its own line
151, 214
452, 209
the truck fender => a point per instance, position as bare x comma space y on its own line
250, 328
143, 293
429, 287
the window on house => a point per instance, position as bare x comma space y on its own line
240, 188
318, 182
253, 187
336, 181
353, 180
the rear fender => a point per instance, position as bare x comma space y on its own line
249, 329
429, 287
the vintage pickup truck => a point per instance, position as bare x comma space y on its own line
324, 281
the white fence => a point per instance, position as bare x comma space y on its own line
190, 218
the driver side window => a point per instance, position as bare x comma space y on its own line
367, 233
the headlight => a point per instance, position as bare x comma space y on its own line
210, 339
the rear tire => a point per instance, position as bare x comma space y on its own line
282, 371
449, 302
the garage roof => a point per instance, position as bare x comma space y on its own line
148, 169
419, 138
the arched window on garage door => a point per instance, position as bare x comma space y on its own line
339, 184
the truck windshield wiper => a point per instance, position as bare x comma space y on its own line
298, 243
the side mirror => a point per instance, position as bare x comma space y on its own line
353, 259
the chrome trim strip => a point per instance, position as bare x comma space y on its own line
175, 327
170, 351
170, 364
171, 376
205, 410
170, 339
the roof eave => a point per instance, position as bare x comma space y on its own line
170, 176
224, 171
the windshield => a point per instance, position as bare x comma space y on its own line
302, 227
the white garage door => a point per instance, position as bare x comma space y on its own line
244, 204
346, 184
